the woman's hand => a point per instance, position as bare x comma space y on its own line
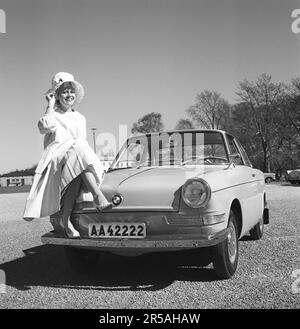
50, 99
51, 102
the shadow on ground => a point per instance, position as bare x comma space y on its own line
289, 184
47, 266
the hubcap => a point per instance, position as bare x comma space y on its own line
261, 225
232, 243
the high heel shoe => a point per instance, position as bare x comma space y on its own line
73, 235
100, 203
70, 231
105, 207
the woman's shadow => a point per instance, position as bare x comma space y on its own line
47, 266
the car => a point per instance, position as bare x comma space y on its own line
293, 176
269, 177
172, 191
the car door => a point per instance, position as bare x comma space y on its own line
249, 188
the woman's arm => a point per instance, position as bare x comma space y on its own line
47, 122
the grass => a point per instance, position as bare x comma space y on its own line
14, 189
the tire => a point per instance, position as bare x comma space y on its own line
225, 254
268, 180
257, 231
81, 260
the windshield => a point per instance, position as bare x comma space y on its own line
169, 149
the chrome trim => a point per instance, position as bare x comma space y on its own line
118, 210
183, 220
105, 244
249, 182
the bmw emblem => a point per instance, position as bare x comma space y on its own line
117, 199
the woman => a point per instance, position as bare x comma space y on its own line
68, 162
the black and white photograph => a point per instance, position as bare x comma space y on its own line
150, 157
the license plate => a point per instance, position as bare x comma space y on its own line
117, 230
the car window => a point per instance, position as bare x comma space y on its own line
132, 155
244, 154
179, 148
234, 152
174, 148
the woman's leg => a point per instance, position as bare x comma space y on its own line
68, 203
90, 182
88, 178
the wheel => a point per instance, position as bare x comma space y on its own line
257, 231
81, 260
225, 254
293, 182
268, 180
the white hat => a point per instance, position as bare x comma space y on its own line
62, 77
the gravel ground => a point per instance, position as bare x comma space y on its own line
37, 275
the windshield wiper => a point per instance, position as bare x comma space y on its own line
206, 159
113, 169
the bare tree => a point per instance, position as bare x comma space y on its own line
291, 107
210, 110
150, 122
263, 98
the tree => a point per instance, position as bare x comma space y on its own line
291, 109
150, 122
22, 172
289, 126
262, 99
210, 111
184, 124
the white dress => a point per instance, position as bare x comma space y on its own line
66, 155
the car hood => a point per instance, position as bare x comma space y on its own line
151, 188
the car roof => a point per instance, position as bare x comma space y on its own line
180, 131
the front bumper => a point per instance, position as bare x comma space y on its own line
137, 246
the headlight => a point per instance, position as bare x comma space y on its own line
196, 193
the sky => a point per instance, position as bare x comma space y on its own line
133, 57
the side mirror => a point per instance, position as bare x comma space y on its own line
236, 158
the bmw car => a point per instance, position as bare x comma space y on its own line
172, 191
